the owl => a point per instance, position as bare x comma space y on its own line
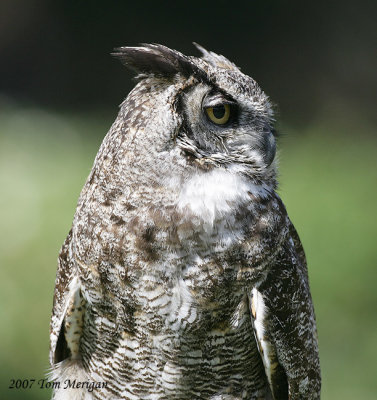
182, 276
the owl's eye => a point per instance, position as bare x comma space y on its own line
219, 114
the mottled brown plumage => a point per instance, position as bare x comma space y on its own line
182, 276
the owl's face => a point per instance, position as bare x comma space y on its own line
225, 129
215, 115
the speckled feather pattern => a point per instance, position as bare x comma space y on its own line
177, 224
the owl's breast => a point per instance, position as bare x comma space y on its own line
217, 234
173, 282
199, 255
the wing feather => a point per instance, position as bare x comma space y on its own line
284, 324
68, 309
275, 373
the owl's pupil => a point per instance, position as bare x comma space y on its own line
219, 111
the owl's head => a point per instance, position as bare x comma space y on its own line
208, 109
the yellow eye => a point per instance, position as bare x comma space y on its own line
219, 114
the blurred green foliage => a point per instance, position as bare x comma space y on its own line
328, 183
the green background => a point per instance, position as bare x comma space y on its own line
58, 97
328, 183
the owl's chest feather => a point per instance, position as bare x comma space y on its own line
178, 275
212, 235
203, 256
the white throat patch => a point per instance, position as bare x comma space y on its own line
215, 194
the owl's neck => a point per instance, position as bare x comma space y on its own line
219, 193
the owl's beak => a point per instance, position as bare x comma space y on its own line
258, 147
268, 148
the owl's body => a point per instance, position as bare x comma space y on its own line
182, 276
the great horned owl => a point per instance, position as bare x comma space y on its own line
182, 276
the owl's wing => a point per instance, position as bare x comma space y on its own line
68, 309
284, 325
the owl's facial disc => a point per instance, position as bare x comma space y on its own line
226, 132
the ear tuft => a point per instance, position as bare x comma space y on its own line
158, 60
216, 60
